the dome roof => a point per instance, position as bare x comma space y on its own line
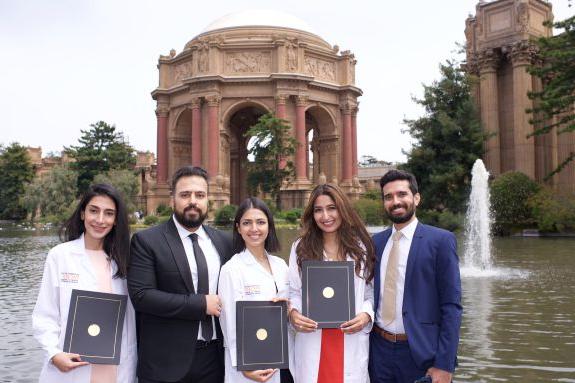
259, 17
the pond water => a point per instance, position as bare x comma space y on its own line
518, 322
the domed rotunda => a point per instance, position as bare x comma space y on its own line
238, 68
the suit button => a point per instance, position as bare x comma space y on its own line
404, 313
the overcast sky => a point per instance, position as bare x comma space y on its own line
65, 64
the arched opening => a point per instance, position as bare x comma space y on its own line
239, 123
321, 154
181, 142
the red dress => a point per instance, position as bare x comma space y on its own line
331, 356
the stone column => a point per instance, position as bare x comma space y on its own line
162, 112
213, 135
300, 153
354, 141
489, 106
347, 142
196, 132
521, 55
281, 100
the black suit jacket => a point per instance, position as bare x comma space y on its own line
163, 294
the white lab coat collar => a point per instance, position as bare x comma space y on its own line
78, 247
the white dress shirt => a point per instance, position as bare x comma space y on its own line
396, 326
212, 259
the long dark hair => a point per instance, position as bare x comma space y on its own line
117, 241
354, 239
272, 243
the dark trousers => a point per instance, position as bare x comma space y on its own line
207, 367
391, 362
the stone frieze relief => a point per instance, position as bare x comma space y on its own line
321, 69
248, 62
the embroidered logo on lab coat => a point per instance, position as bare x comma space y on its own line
70, 277
252, 290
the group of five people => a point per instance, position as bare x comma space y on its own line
184, 277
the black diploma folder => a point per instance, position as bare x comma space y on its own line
95, 324
261, 335
328, 292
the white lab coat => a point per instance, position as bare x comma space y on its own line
242, 278
307, 346
68, 267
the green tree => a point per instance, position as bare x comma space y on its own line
126, 182
16, 170
554, 104
53, 195
510, 194
271, 148
448, 140
100, 149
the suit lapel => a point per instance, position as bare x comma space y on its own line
179, 254
379, 246
413, 251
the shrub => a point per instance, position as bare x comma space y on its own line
225, 215
151, 220
292, 215
553, 213
163, 209
370, 211
509, 195
374, 194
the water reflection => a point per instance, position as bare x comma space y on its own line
518, 324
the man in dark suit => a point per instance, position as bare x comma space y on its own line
172, 281
417, 292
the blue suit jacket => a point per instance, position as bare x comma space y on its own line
432, 295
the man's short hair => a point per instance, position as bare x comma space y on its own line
399, 175
188, 171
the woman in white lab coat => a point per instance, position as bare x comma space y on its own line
332, 231
252, 274
94, 257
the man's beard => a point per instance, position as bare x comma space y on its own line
409, 212
190, 223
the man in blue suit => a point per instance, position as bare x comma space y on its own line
417, 291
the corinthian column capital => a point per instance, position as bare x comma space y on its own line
301, 100
196, 102
214, 100
522, 53
162, 110
488, 60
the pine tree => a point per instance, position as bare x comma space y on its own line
101, 149
448, 139
16, 170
